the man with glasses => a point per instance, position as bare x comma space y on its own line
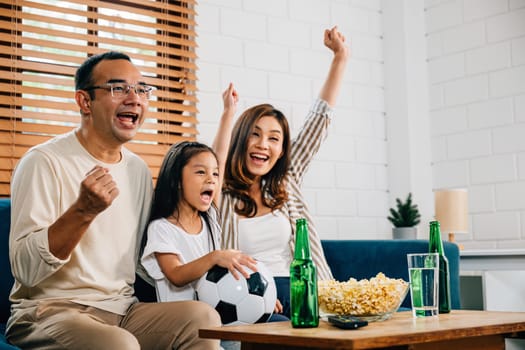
79, 207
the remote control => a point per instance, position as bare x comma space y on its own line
346, 322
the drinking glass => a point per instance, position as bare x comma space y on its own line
423, 271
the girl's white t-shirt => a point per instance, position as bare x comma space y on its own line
267, 239
165, 237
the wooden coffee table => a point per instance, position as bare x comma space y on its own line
460, 329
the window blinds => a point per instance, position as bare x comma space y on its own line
42, 42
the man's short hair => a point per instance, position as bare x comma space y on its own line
84, 74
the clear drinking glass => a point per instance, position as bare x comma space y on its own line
423, 270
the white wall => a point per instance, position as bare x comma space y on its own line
407, 106
476, 65
273, 52
468, 104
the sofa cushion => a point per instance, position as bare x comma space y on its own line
3, 342
366, 258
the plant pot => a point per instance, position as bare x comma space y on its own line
404, 232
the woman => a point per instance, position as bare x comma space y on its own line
261, 197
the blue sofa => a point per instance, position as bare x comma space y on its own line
6, 279
347, 258
365, 258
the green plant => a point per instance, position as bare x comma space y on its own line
406, 215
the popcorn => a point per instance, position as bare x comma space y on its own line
379, 295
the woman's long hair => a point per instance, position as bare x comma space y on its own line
237, 178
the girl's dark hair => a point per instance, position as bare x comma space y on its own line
168, 190
237, 178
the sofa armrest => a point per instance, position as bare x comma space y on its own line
6, 278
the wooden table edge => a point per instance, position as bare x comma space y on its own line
513, 328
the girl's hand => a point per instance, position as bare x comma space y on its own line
234, 260
230, 98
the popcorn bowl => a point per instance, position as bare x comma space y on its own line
369, 300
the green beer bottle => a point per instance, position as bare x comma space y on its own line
435, 245
304, 307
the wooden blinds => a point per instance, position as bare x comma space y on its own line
42, 42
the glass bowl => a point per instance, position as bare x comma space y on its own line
370, 300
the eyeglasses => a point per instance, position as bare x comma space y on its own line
120, 90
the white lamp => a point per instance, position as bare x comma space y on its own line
452, 211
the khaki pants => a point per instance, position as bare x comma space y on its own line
54, 325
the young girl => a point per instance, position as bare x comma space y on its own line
183, 237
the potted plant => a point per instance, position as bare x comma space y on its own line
405, 219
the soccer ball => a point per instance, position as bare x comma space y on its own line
242, 301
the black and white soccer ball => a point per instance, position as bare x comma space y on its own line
243, 301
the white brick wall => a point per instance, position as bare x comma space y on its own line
490, 113
506, 26
273, 52
476, 61
518, 51
481, 199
